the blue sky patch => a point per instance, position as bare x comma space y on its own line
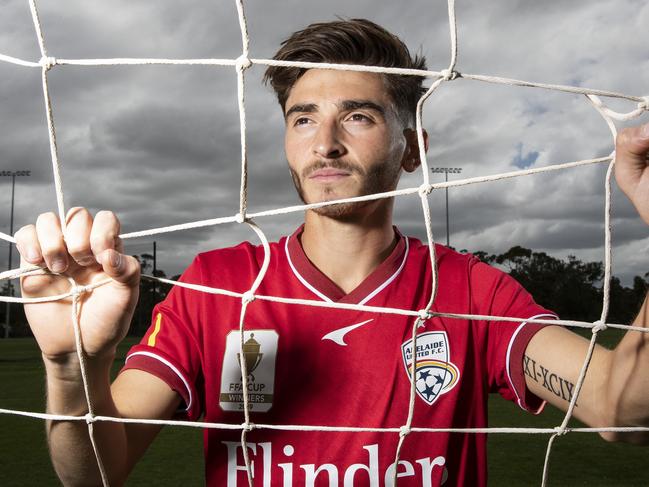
523, 161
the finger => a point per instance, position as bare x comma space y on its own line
631, 148
77, 236
30, 253
124, 269
104, 234
633, 141
50, 237
28, 246
33, 286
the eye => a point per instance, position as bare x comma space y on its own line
301, 121
359, 117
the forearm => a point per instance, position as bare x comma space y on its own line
69, 441
628, 383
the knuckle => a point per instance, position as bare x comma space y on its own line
51, 251
24, 232
132, 268
132, 263
76, 212
72, 211
78, 248
108, 217
48, 217
100, 242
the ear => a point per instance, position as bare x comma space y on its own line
411, 159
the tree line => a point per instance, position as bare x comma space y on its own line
571, 288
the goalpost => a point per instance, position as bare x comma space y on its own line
241, 65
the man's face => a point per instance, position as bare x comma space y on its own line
343, 138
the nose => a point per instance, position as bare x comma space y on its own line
327, 143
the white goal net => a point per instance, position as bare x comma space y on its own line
596, 98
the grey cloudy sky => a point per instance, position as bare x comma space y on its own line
160, 144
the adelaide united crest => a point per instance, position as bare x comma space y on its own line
434, 373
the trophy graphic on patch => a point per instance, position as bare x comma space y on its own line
251, 355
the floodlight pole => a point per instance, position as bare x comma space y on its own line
10, 289
155, 269
446, 170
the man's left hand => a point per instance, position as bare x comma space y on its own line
632, 166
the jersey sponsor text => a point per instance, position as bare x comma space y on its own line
264, 457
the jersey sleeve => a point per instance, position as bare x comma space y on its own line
170, 349
501, 295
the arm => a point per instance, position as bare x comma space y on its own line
616, 388
134, 394
89, 251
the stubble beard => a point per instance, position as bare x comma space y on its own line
378, 179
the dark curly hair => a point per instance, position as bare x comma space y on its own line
353, 41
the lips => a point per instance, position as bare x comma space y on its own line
328, 174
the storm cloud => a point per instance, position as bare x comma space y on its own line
160, 145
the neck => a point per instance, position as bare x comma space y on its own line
348, 250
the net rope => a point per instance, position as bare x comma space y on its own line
241, 65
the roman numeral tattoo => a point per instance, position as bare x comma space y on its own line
557, 385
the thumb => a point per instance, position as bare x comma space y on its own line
122, 268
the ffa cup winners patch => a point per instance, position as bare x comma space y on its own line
434, 373
259, 352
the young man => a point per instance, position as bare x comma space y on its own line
347, 134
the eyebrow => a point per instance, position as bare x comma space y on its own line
301, 108
345, 105
362, 104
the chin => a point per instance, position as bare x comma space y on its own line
339, 211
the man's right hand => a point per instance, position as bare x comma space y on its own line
88, 251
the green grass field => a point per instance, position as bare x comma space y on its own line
175, 458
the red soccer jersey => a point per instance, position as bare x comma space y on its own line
332, 367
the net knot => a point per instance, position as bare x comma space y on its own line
449, 75
90, 418
78, 290
243, 62
248, 297
560, 431
598, 326
239, 218
404, 431
247, 426
47, 62
644, 104
424, 314
425, 189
